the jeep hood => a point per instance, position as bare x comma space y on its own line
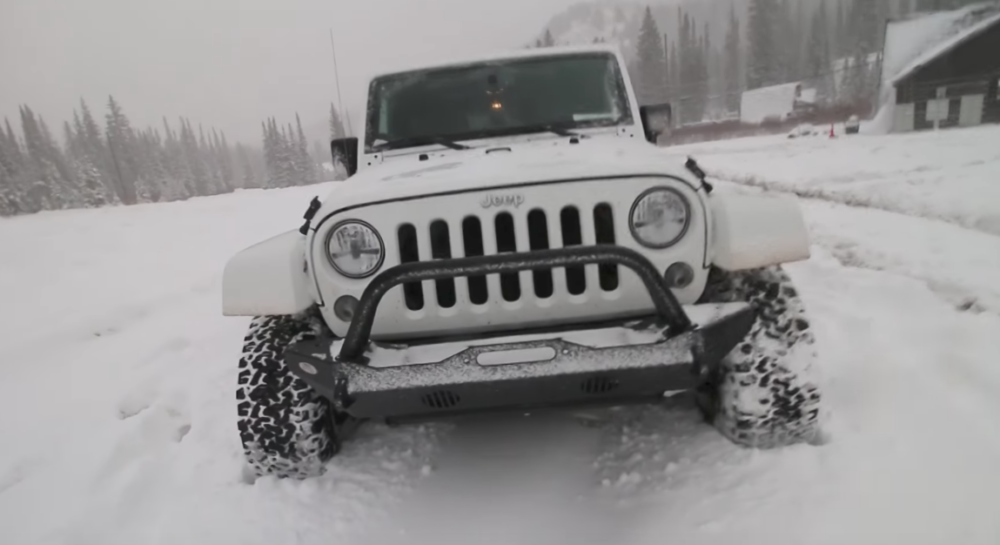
494, 166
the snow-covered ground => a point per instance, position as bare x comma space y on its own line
950, 175
117, 375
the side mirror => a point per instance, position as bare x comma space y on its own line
656, 120
345, 150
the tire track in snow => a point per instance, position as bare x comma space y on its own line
956, 263
551, 478
853, 201
504, 479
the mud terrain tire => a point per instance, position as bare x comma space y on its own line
763, 395
287, 429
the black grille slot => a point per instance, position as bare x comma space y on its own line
441, 399
538, 239
409, 252
604, 230
510, 283
472, 239
441, 249
599, 385
576, 280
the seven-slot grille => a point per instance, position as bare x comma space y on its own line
566, 228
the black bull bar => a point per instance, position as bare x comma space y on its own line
683, 353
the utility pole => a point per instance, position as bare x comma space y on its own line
336, 75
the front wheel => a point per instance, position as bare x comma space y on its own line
762, 394
287, 429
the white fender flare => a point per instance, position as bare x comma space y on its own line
756, 230
268, 279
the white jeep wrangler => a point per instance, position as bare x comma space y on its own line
510, 239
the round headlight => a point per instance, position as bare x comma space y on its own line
355, 249
659, 217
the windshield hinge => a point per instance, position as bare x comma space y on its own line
696, 170
314, 206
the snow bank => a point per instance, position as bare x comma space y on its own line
883, 120
948, 175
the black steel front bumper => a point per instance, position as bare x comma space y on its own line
545, 370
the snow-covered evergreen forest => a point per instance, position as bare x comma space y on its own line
701, 55
97, 164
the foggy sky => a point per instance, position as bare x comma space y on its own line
230, 63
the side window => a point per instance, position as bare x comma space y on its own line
383, 116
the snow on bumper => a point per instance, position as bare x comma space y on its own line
589, 366
555, 368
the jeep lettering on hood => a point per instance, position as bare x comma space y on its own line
500, 201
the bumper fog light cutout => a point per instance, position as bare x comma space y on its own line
679, 275
345, 307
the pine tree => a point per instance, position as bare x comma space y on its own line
176, 165
279, 156
733, 75
336, 124
228, 168
97, 153
149, 178
692, 73
818, 63
119, 139
867, 20
9, 199
765, 39
269, 160
206, 155
14, 146
649, 51
125, 164
305, 166
704, 72
246, 168
676, 68
91, 190
8, 152
547, 40
668, 76
47, 185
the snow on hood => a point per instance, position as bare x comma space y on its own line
556, 159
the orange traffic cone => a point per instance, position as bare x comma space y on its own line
832, 133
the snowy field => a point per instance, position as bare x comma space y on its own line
950, 176
117, 375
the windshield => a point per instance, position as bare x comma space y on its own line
496, 99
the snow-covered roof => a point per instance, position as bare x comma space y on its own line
912, 43
756, 105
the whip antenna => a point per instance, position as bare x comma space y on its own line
336, 76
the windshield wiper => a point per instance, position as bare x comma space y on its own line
420, 141
561, 131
